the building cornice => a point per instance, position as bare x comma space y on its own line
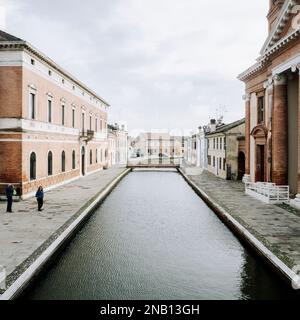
26, 46
272, 45
283, 18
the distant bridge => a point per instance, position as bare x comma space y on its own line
155, 163
153, 166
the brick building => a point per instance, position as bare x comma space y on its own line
273, 101
53, 128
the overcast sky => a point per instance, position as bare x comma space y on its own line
159, 63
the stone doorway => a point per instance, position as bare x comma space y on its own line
260, 163
259, 134
241, 165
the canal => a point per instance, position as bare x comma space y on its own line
154, 238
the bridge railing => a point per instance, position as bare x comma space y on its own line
268, 192
163, 161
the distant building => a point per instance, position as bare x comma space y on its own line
226, 150
155, 144
117, 145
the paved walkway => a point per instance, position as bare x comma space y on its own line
277, 228
25, 230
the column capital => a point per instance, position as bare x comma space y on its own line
247, 97
268, 84
280, 79
295, 68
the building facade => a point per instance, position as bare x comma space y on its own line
117, 145
272, 102
226, 151
52, 127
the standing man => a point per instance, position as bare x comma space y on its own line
40, 198
9, 195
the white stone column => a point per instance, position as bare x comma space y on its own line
247, 176
296, 203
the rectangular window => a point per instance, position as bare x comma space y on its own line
82, 122
49, 111
209, 160
63, 115
224, 145
73, 118
224, 164
32, 105
220, 164
214, 161
96, 124
260, 109
101, 125
214, 143
217, 143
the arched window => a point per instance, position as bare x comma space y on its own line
73, 160
91, 157
32, 166
63, 161
50, 163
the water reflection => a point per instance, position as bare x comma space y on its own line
154, 238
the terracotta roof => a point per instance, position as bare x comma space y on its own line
227, 127
8, 42
4, 36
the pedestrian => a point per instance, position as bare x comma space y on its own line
9, 195
40, 197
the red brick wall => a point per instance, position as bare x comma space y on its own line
10, 92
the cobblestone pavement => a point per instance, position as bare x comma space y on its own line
25, 230
277, 228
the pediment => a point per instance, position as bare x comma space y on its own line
284, 25
260, 131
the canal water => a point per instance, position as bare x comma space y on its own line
154, 238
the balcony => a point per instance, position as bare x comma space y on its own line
87, 135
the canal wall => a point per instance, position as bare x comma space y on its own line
284, 271
16, 289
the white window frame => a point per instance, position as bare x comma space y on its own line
32, 90
49, 98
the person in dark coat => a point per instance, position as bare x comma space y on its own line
40, 198
9, 191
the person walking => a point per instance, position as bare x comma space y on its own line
40, 197
9, 191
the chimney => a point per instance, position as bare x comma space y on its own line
213, 125
275, 7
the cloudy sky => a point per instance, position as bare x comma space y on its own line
160, 63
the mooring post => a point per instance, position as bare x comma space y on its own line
2, 278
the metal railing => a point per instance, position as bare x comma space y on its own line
163, 161
268, 192
87, 135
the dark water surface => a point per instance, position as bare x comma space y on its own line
154, 238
